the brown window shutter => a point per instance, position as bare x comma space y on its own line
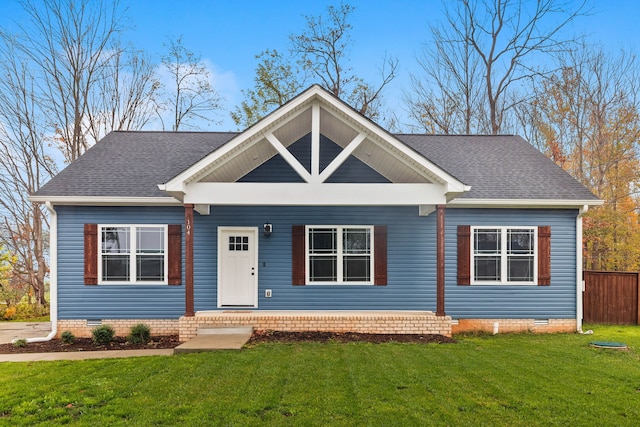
298, 251
380, 255
91, 254
544, 255
464, 255
174, 254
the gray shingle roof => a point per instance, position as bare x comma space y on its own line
498, 167
133, 163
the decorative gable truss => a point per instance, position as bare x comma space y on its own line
408, 177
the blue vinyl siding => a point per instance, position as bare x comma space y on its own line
277, 169
411, 263
79, 301
411, 255
517, 301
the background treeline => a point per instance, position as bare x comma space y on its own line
70, 76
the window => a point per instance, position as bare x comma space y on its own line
339, 254
238, 243
504, 255
132, 254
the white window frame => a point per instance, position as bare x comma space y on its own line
503, 255
132, 255
340, 255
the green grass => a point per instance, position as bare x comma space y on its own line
503, 380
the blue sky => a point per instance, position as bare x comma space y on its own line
228, 34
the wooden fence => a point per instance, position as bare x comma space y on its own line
611, 297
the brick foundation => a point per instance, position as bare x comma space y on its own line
80, 329
514, 325
364, 322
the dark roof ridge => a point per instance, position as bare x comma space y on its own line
455, 135
177, 131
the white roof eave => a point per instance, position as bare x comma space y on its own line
522, 203
106, 200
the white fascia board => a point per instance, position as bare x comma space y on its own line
256, 131
453, 184
313, 194
106, 201
522, 203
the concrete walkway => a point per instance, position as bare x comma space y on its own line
13, 330
82, 355
208, 340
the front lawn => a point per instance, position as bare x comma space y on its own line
510, 380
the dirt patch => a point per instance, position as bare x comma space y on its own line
171, 341
344, 337
86, 344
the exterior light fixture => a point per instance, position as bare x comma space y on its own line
267, 228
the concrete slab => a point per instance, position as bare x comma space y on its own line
224, 330
82, 355
212, 342
15, 330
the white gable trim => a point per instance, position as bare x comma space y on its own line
288, 157
313, 99
341, 158
253, 134
315, 139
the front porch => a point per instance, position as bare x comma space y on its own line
372, 322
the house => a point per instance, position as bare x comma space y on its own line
315, 218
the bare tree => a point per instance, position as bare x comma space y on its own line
489, 47
123, 98
322, 50
321, 53
65, 83
24, 166
70, 42
447, 97
190, 95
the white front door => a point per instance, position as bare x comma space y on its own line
237, 267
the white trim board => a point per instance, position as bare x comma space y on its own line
522, 203
314, 194
107, 201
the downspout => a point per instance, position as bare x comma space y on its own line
53, 276
579, 281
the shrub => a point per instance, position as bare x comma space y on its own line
25, 312
103, 334
9, 313
20, 343
68, 337
140, 334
